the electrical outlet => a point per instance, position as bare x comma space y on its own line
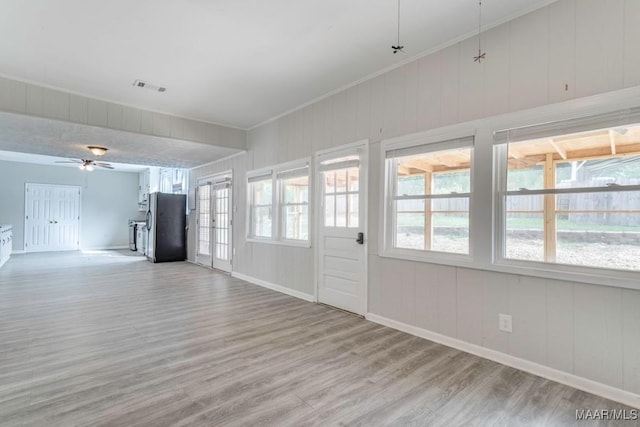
505, 322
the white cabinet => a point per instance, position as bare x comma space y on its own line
6, 237
143, 185
141, 239
148, 182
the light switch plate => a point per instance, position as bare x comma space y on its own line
505, 322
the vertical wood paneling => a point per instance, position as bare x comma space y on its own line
528, 306
55, 104
377, 131
146, 122
394, 94
339, 119
529, 56
97, 113
426, 296
351, 114
562, 45
363, 112
469, 305
599, 46
495, 300
471, 96
631, 43
390, 289
321, 125
450, 81
598, 333
161, 124
35, 95
496, 70
429, 91
631, 340
13, 95
447, 296
78, 109
178, 127
130, 119
409, 120
560, 325
114, 116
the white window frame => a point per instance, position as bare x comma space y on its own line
253, 177
277, 204
443, 141
612, 277
280, 177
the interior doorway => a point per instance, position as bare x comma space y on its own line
52, 218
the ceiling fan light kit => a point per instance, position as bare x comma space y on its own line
90, 165
97, 151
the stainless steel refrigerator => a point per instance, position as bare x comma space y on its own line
166, 225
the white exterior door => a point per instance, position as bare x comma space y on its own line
222, 225
204, 224
341, 227
214, 222
52, 220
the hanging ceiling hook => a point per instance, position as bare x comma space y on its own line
481, 54
398, 48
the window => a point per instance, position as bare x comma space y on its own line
261, 202
427, 197
294, 206
279, 204
341, 180
572, 198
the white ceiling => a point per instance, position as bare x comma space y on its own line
237, 62
26, 134
39, 159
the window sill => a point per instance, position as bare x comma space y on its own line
571, 273
296, 244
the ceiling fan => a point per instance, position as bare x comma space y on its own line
89, 165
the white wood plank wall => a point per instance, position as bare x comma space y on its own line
566, 51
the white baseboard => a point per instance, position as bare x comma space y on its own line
17, 252
590, 386
106, 248
274, 287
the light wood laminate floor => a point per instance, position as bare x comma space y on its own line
110, 339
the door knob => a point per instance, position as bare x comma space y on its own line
360, 239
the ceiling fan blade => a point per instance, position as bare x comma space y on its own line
103, 165
77, 162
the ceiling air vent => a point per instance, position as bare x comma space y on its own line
145, 85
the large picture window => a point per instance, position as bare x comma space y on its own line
279, 204
573, 198
428, 193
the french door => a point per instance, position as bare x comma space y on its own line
342, 178
52, 220
214, 222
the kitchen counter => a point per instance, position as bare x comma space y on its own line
6, 239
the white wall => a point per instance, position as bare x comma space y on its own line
109, 199
565, 52
34, 100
